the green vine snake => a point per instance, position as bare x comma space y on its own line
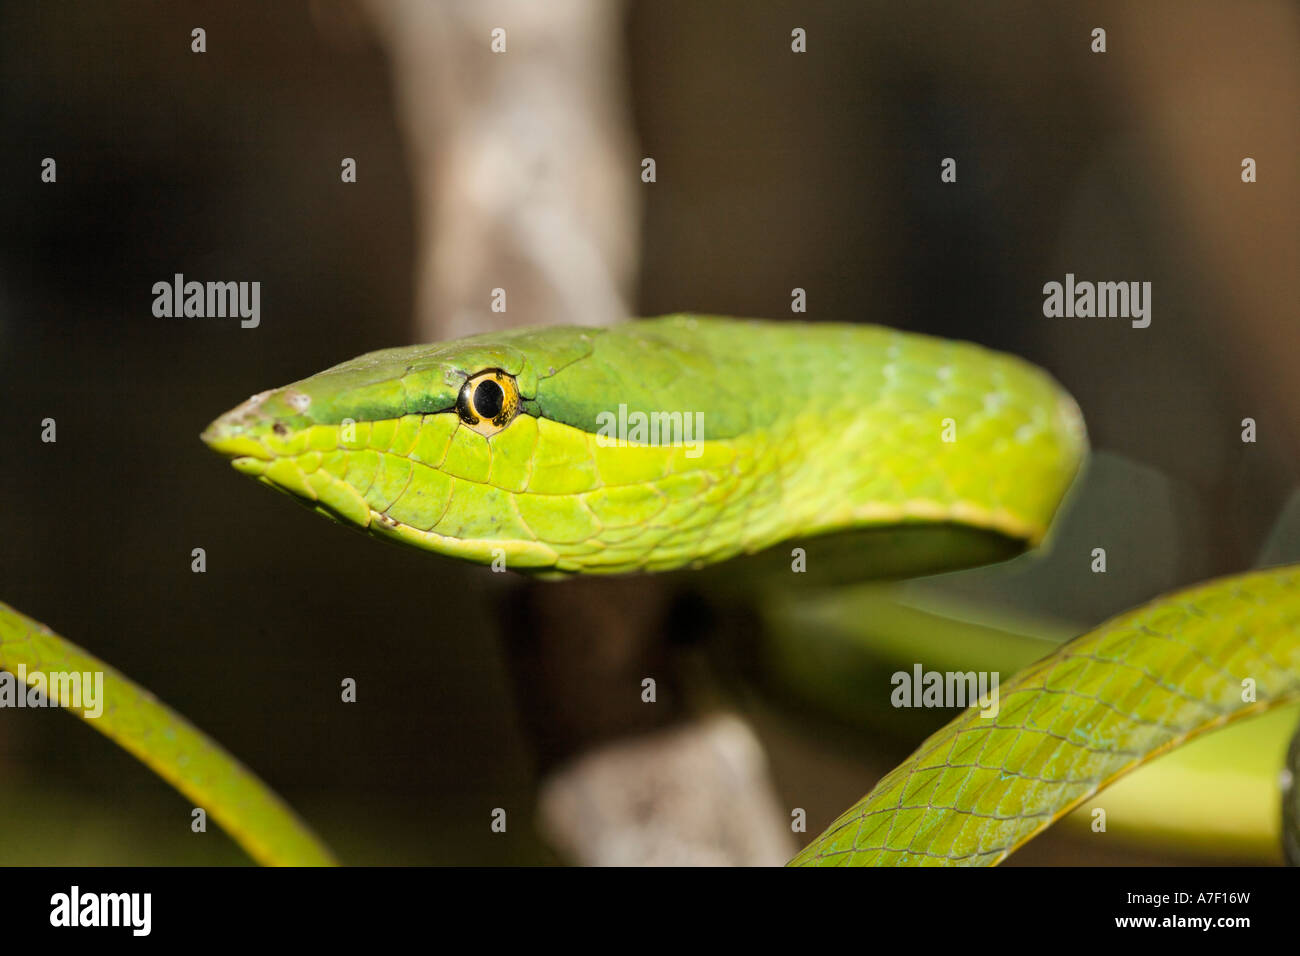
685, 441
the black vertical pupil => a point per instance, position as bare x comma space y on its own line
488, 399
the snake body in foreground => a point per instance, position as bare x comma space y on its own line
175, 749
685, 441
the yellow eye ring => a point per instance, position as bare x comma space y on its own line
488, 401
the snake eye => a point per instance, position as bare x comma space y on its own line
488, 401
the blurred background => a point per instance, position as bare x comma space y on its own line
523, 170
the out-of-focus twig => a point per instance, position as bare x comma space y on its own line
522, 160
690, 795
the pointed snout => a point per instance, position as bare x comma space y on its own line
236, 434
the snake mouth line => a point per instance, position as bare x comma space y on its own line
235, 447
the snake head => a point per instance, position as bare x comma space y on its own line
489, 449
437, 446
